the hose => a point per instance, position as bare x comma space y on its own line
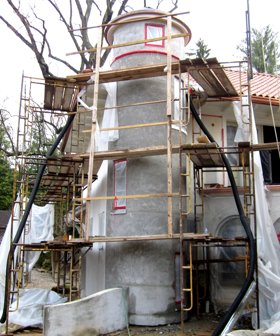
245, 223
27, 211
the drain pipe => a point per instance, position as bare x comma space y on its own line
246, 225
26, 214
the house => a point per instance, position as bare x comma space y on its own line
143, 199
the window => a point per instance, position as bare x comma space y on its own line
153, 31
270, 159
120, 184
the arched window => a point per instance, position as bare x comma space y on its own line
231, 273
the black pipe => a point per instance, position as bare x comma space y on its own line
246, 224
27, 211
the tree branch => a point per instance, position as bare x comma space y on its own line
175, 6
32, 44
69, 28
98, 8
7, 133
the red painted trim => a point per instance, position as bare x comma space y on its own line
141, 51
115, 204
155, 43
211, 115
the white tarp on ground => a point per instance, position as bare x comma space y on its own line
31, 306
268, 248
39, 228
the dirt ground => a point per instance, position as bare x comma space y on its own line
193, 327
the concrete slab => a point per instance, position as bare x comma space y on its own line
100, 313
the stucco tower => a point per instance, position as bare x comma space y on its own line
147, 268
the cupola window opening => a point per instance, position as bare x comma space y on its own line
154, 31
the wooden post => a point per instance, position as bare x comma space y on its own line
93, 131
169, 129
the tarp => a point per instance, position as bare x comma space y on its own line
268, 248
39, 227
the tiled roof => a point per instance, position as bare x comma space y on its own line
264, 87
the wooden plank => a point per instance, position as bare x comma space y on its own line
160, 123
69, 98
101, 198
126, 44
209, 77
58, 94
48, 98
194, 72
169, 128
222, 76
126, 74
204, 155
187, 236
93, 127
130, 153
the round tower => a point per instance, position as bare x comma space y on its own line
147, 268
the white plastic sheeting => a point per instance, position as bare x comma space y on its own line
31, 306
268, 248
110, 115
40, 229
31, 301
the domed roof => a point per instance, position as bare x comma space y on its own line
141, 15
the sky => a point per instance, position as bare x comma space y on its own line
220, 23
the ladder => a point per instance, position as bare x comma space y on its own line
74, 273
185, 208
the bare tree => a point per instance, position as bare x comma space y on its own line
32, 27
7, 147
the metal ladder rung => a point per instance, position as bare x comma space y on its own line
14, 291
186, 267
184, 213
187, 289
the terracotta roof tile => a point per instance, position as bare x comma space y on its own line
262, 85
